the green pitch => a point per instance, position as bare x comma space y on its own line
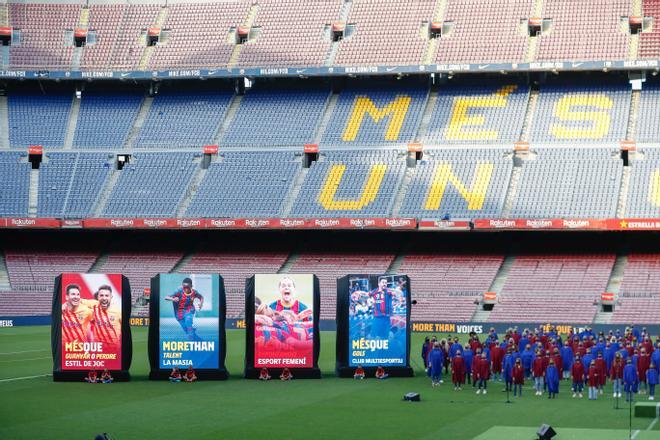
37, 408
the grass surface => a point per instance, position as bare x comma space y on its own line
306, 409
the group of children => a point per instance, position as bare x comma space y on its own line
188, 376
630, 360
93, 377
285, 375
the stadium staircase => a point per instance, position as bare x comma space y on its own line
149, 50
139, 120
4, 21
289, 262
236, 52
4, 275
105, 194
4, 122
431, 102
230, 114
532, 103
330, 106
635, 98
293, 193
623, 193
432, 46
83, 23
403, 190
334, 47
496, 286
396, 263
512, 189
532, 42
613, 286
183, 262
633, 48
33, 194
71, 125
195, 182
100, 261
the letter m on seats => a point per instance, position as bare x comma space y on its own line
396, 110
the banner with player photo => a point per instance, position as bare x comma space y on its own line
187, 325
282, 321
373, 316
90, 327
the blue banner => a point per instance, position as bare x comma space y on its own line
189, 316
377, 321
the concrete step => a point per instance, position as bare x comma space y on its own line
4, 122
72, 123
290, 261
139, 121
4, 274
34, 193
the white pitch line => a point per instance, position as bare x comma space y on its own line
21, 352
634, 436
12, 379
657, 416
24, 360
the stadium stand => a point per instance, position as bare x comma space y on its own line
188, 28
647, 129
636, 310
330, 266
478, 113
351, 184
584, 30
131, 42
376, 116
183, 118
641, 276
276, 116
446, 286
43, 41
386, 32
38, 119
14, 184
70, 183
139, 267
649, 44
235, 267
565, 183
106, 20
465, 183
36, 270
584, 113
643, 197
105, 119
485, 31
151, 185
25, 304
246, 184
570, 282
290, 33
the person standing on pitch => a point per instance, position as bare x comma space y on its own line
552, 379
507, 370
538, 372
652, 380
518, 374
601, 364
616, 374
594, 380
468, 357
566, 359
458, 371
577, 373
630, 380
483, 373
643, 362
436, 363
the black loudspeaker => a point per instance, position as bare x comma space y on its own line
412, 397
546, 432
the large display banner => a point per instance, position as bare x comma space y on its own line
283, 323
90, 328
187, 319
373, 315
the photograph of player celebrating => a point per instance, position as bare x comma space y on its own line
283, 321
